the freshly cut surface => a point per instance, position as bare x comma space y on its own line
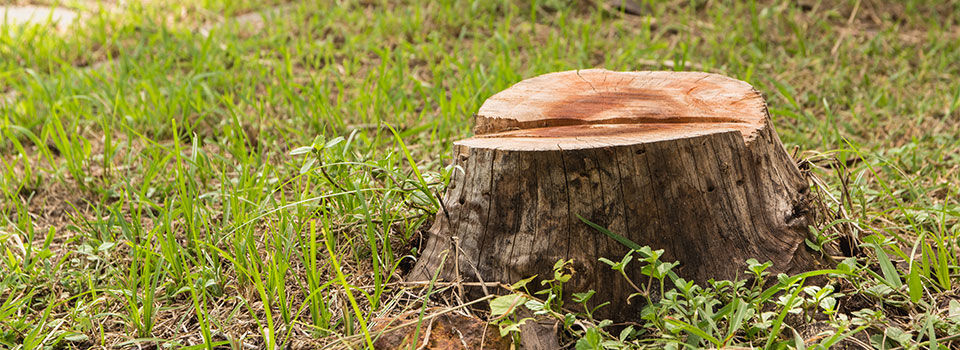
598, 96
597, 135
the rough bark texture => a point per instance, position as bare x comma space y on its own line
685, 162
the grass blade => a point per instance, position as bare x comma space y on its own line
890, 274
343, 282
626, 242
413, 165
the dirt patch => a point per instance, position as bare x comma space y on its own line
57, 17
446, 331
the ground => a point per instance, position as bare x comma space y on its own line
156, 192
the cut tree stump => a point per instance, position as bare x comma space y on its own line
681, 161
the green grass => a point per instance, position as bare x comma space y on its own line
164, 198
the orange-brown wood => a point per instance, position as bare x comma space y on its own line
594, 135
597, 96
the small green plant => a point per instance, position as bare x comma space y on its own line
735, 313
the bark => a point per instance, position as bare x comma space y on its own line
685, 162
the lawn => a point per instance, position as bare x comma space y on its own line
211, 173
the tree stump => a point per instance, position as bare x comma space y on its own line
681, 161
